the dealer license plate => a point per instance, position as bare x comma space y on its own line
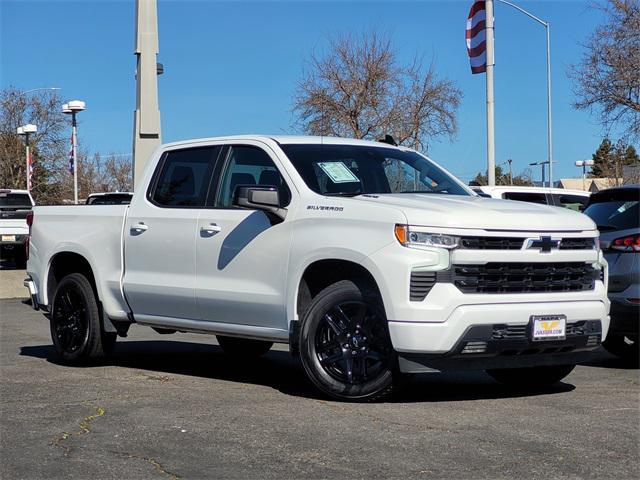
8, 238
549, 327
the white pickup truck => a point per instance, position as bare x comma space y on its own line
15, 205
368, 259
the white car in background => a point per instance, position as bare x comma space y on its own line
557, 197
14, 231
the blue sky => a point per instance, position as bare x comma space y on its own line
232, 67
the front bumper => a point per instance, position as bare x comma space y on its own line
436, 323
442, 337
508, 346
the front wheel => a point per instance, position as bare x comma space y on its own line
344, 343
531, 376
76, 329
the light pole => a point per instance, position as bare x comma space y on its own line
584, 164
542, 164
25, 131
73, 108
547, 26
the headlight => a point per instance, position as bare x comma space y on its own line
411, 238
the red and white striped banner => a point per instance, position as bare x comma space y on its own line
476, 37
30, 171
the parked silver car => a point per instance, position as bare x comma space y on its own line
616, 211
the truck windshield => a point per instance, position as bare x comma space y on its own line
15, 200
350, 170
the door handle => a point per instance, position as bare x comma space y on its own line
138, 229
210, 229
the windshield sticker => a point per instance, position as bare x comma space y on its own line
338, 172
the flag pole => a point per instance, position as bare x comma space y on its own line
547, 26
491, 152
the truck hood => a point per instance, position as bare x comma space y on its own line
457, 211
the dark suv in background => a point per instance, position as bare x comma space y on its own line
616, 212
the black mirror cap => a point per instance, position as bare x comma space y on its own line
260, 197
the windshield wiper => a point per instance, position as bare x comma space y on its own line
343, 194
423, 191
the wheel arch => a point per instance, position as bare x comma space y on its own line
318, 275
64, 263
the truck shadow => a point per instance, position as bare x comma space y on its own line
279, 370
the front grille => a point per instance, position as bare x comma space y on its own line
577, 244
491, 243
421, 284
501, 332
498, 277
516, 243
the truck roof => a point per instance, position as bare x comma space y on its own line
9, 190
520, 188
290, 139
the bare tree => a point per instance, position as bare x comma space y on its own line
44, 110
110, 173
608, 78
359, 89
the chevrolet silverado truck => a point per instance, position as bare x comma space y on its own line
368, 259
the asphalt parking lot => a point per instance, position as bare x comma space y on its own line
175, 407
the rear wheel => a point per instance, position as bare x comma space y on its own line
76, 328
531, 376
344, 343
243, 347
626, 347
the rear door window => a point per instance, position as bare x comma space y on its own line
185, 177
531, 197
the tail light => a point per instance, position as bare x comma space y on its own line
26, 244
626, 244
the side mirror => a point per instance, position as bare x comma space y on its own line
258, 197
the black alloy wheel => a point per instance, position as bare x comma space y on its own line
70, 319
350, 343
76, 327
344, 343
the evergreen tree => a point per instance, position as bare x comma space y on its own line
602, 159
609, 159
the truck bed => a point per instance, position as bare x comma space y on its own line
93, 231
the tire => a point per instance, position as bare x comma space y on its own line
76, 328
626, 347
243, 347
344, 344
531, 376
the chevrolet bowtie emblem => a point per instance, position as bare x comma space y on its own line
545, 244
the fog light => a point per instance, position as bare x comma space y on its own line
475, 347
